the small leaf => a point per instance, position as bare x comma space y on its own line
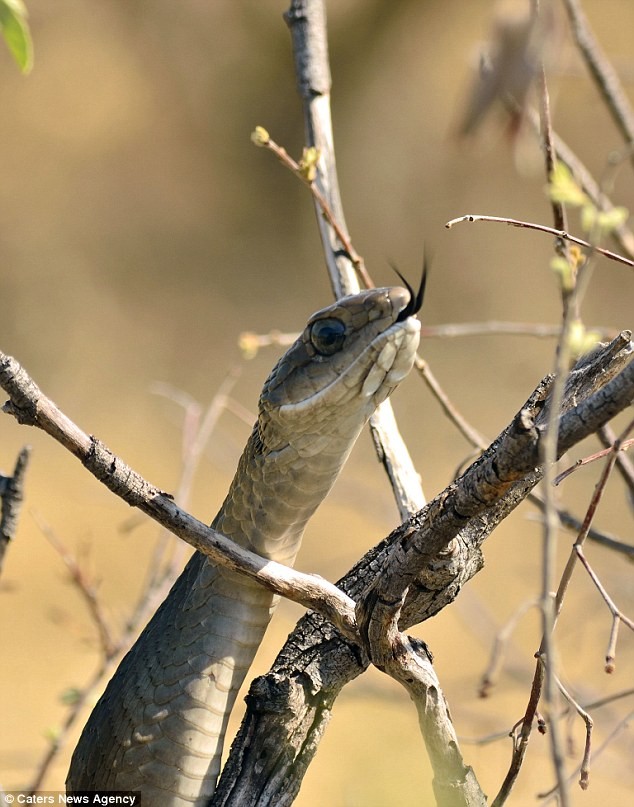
564, 189
260, 136
70, 696
15, 30
52, 734
613, 218
581, 341
308, 163
588, 218
600, 222
249, 344
565, 271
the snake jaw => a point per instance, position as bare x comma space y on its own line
394, 360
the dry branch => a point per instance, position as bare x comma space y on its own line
289, 707
11, 496
31, 407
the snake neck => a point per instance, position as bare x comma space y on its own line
276, 489
160, 725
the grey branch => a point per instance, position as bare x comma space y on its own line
603, 73
306, 20
289, 707
11, 496
28, 404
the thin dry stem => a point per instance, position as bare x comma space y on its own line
84, 585
498, 652
603, 73
471, 435
617, 614
624, 464
471, 217
589, 459
584, 770
553, 793
326, 211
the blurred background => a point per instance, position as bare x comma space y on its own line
141, 233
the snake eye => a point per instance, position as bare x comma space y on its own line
327, 335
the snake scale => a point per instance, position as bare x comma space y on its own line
160, 724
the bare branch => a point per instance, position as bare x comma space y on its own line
289, 707
602, 71
11, 496
613, 256
617, 614
31, 407
407, 660
624, 464
471, 435
306, 20
84, 585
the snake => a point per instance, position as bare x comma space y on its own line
160, 724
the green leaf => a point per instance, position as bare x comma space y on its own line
566, 273
581, 341
15, 30
563, 187
70, 696
605, 221
614, 218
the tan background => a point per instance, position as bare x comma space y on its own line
141, 233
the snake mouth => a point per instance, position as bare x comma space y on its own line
415, 302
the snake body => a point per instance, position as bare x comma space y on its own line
160, 724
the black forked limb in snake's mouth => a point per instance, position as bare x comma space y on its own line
415, 298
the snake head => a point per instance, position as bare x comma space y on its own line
350, 357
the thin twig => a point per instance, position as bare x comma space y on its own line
491, 328
614, 256
251, 342
553, 793
617, 614
570, 298
589, 459
602, 71
263, 139
624, 465
496, 660
584, 770
472, 436
84, 585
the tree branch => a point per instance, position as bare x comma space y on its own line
11, 496
289, 707
31, 407
306, 20
562, 234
